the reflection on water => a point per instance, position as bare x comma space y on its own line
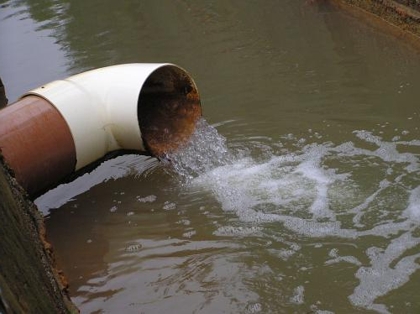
306, 199
29, 55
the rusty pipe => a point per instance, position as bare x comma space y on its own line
63, 126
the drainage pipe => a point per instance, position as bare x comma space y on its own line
63, 126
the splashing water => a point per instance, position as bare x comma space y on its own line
321, 190
205, 151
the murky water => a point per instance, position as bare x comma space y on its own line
301, 192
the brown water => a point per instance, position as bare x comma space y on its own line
310, 201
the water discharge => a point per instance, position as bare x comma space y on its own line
319, 190
205, 151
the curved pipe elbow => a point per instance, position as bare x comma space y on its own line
148, 107
103, 108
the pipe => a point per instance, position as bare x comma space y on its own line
63, 126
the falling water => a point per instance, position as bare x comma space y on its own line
206, 150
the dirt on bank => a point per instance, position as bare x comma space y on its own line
403, 15
29, 283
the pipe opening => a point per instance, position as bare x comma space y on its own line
168, 110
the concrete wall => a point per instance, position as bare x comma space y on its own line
403, 14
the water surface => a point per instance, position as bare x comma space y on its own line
304, 194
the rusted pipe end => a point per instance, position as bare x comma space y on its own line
168, 110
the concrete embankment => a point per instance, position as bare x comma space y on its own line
403, 15
29, 283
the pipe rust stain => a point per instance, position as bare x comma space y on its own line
168, 111
36, 143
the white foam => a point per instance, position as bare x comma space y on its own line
298, 295
388, 152
237, 231
388, 271
169, 205
336, 258
413, 208
264, 191
253, 308
147, 199
307, 197
311, 169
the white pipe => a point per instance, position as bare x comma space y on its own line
101, 107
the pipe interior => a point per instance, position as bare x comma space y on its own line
168, 110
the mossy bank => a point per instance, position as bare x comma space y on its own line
29, 283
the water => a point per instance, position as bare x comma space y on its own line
306, 194
289, 216
301, 191
205, 151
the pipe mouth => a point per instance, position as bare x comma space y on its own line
168, 110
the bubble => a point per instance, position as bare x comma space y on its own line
147, 199
298, 295
169, 205
133, 248
237, 231
253, 308
189, 234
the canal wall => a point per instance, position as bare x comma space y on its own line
29, 282
401, 14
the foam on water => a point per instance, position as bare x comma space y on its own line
388, 271
413, 208
313, 190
